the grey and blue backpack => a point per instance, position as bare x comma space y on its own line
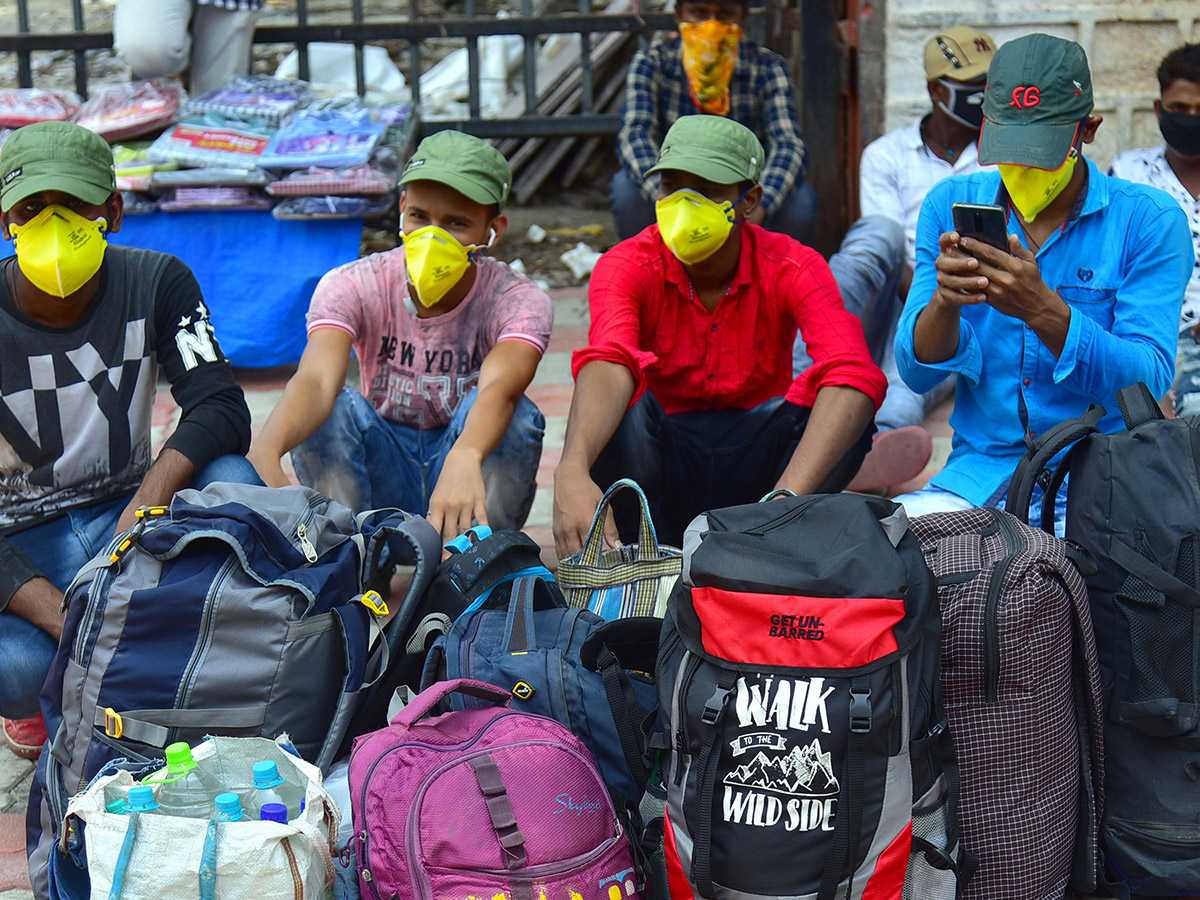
237, 610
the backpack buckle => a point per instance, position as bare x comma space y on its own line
860, 711
374, 602
714, 706
114, 727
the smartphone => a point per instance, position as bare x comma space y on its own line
982, 222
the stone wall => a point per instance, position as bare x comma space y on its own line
1124, 42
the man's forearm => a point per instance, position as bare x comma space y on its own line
303, 408
171, 472
935, 334
602, 394
839, 417
488, 420
1051, 323
38, 602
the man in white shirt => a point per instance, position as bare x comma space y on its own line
1174, 167
898, 169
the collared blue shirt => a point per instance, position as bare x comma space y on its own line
1121, 263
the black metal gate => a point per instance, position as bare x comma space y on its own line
360, 31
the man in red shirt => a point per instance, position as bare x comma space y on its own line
686, 385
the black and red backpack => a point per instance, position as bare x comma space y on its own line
801, 711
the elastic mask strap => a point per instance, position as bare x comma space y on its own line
730, 214
474, 252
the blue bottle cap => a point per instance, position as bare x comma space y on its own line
118, 806
266, 774
229, 804
141, 798
273, 812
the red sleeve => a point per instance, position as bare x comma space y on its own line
617, 292
834, 337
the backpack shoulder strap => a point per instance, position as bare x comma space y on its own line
1138, 405
1030, 469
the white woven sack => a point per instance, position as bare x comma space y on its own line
254, 859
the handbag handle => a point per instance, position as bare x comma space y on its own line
425, 701
593, 547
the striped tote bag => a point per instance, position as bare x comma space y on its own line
634, 580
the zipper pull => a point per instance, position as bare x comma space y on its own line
680, 749
310, 552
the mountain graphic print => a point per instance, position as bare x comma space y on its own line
806, 771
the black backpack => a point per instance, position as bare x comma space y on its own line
1133, 502
800, 704
480, 563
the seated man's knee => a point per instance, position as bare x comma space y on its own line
878, 236
152, 55
231, 469
632, 212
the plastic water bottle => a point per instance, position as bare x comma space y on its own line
184, 789
141, 800
228, 807
270, 787
273, 812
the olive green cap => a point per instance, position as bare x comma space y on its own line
470, 165
714, 148
1039, 89
56, 156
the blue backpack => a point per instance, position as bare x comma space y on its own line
594, 677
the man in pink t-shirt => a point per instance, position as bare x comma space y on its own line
447, 340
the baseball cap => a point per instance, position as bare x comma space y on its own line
714, 148
1039, 89
56, 156
470, 165
960, 53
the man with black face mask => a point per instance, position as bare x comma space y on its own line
1174, 167
897, 171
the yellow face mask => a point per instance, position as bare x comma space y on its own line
1032, 190
710, 53
692, 226
59, 250
435, 261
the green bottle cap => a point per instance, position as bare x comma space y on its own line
179, 758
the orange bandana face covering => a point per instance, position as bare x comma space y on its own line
710, 52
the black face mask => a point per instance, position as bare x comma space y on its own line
1181, 132
966, 103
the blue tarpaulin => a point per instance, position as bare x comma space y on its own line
257, 272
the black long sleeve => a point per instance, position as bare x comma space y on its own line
15, 569
215, 419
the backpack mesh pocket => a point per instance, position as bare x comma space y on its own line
1159, 697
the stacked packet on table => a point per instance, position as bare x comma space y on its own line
121, 111
218, 144
25, 106
331, 148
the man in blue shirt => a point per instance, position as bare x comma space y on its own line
1084, 302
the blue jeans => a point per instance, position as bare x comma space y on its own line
60, 548
362, 460
935, 499
632, 212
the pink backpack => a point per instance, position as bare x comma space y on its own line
484, 802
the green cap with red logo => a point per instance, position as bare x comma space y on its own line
1039, 89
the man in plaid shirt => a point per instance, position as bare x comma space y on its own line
664, 84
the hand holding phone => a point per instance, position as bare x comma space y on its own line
982, 222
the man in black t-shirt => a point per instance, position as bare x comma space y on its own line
84, 328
